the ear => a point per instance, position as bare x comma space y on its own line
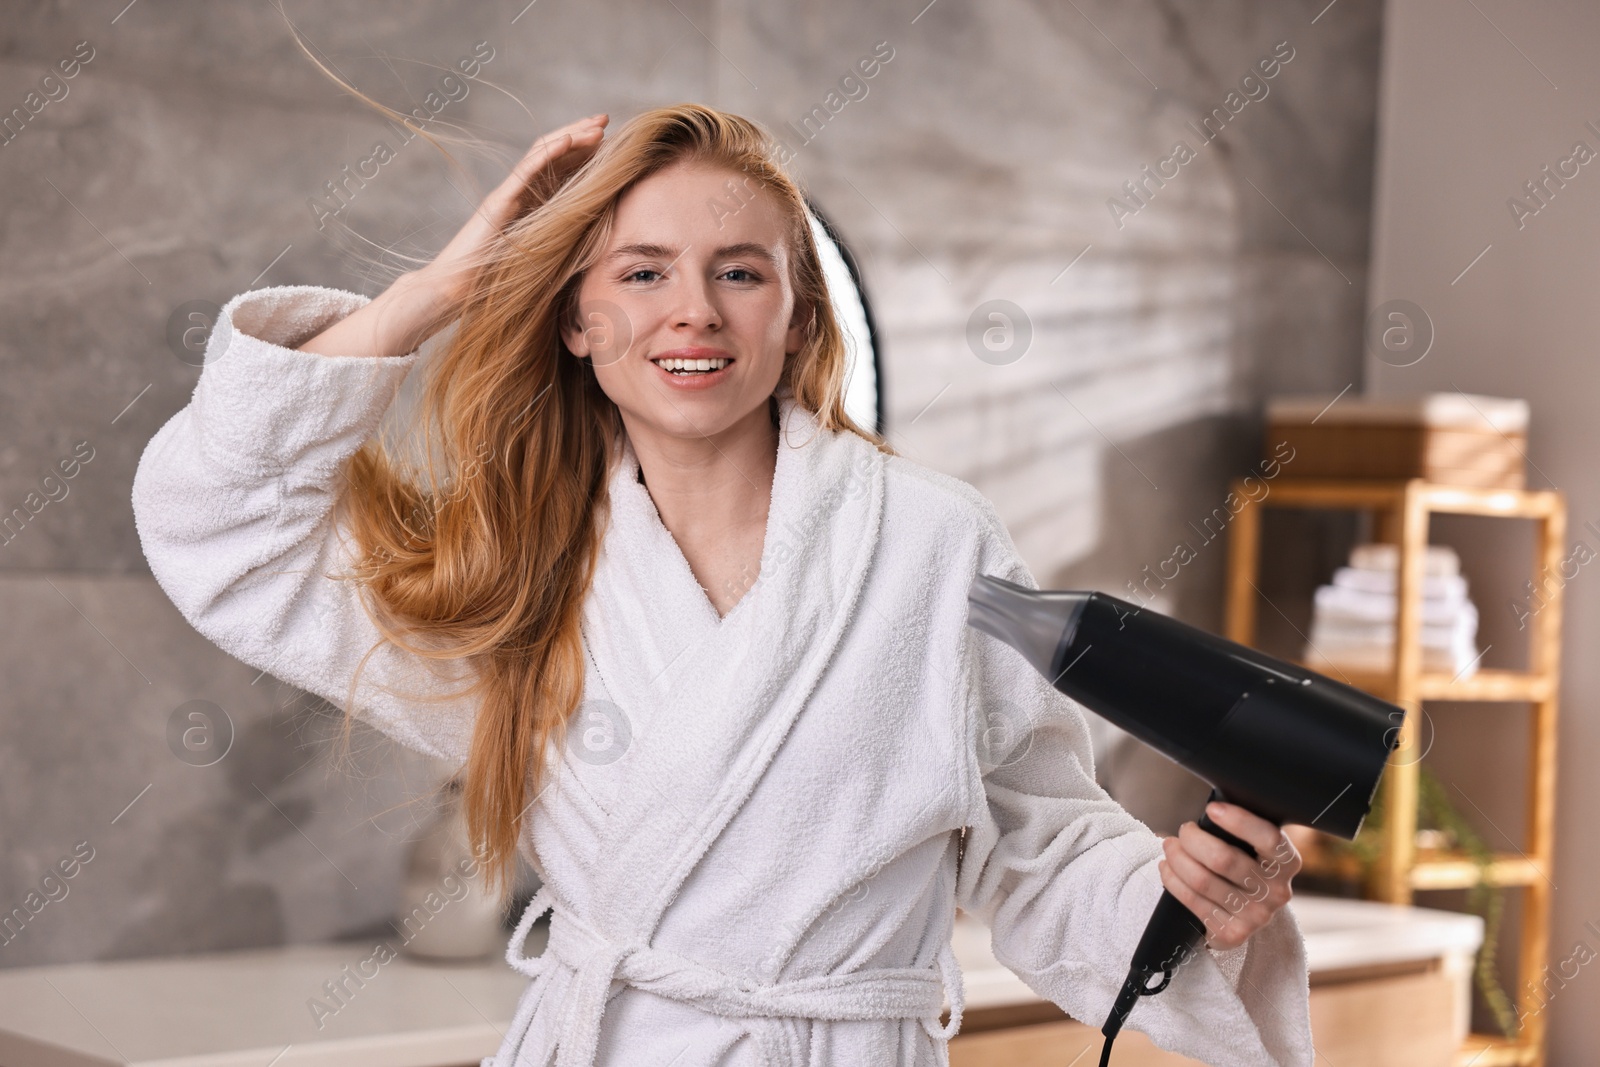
575, 336
800, 326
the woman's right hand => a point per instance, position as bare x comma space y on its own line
420, 301
560, 152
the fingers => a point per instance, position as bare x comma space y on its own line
1246, 825
1275, 850
560, 150
1233, 894
1224, 928
592, 122
584, 129
1221, 857
582, 135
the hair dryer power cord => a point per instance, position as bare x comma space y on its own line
1136, 985
1172, 937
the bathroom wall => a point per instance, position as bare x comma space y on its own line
1476, 104
986, 160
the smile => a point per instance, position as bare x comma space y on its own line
691, 366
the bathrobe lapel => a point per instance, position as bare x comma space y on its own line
710, 700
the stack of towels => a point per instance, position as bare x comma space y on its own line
1353, 624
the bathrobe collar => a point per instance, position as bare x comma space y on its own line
708, 699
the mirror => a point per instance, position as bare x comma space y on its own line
863, 397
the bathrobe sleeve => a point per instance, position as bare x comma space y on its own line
1066, 879
233, 501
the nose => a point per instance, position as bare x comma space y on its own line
694, 307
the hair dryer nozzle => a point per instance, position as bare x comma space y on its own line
1037, 624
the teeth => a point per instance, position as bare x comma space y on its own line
692, 364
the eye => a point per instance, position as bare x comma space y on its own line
742, 275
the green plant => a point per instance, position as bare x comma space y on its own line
1436, 812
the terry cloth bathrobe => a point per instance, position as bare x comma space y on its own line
752, 844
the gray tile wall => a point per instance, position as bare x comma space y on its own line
180, 166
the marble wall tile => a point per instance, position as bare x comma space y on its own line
258, 840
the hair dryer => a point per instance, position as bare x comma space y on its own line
1269, 736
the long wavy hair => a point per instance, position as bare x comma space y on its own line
491, 566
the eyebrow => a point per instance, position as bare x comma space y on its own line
655, 251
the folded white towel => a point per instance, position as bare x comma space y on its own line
1334, 601
1451, 587
1438, 561
1381, 661
1354, 619
1335, 627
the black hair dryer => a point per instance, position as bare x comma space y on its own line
1269, 736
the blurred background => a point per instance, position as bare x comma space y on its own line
999, 161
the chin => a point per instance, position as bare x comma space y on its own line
698, 416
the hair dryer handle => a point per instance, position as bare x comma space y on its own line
1212, 828
1170, 938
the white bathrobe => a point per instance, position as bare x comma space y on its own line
749, 846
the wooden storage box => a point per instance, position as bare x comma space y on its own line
1449, 438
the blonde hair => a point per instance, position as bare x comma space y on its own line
494, 569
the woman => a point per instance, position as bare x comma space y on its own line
720, 688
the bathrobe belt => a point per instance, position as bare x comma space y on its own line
596, 961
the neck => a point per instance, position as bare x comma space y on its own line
704, 487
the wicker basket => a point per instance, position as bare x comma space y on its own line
1449, 438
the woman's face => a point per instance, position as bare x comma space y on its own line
690, 274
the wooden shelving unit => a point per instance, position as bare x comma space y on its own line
1402, 510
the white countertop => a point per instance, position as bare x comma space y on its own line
1338, 933
251, 1008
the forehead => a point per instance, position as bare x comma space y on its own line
699, 207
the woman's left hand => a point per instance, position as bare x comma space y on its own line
1234, 894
